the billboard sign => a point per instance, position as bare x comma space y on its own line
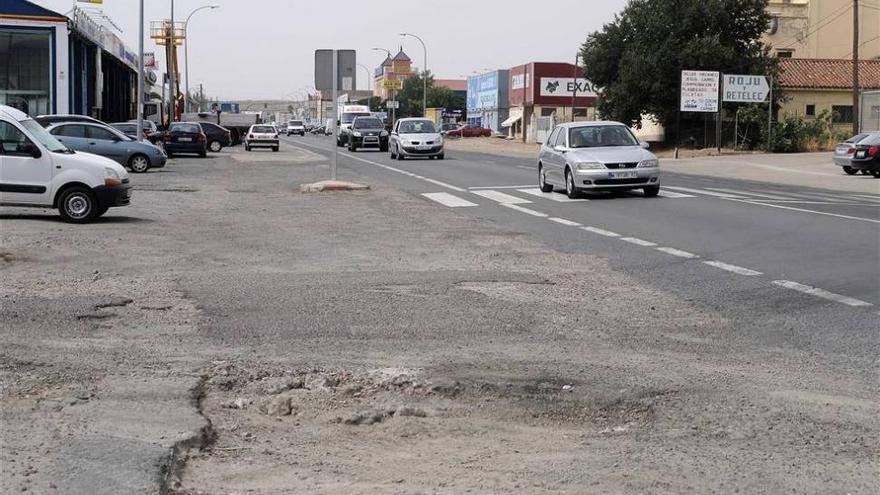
483, 91
699, 91
567, 86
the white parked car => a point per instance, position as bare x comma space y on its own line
296, 127
416, 137
603, 156
261, 136
37, 171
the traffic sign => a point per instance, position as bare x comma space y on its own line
392, 104
699, 91
345, 74
392, 84
745, 89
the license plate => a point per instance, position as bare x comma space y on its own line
624, 175
423, 147
860, 154
185, 140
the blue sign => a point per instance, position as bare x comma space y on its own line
482, 91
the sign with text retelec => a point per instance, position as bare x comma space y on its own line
699, 91
745, 89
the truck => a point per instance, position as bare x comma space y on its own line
237, 123
346, 115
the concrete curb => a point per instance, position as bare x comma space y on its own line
332, 185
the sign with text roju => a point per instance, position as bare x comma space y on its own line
745, 88
699, 91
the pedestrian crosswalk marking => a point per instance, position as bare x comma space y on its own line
558, 197
501, 197
449, 200
707, 193
674, 195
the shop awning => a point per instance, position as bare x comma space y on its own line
514, 116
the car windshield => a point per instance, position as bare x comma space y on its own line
40, 133
870, 140
189, 128
417, 127
600, 136
347, 118
362, 123
856, 138
264, 129
295, 123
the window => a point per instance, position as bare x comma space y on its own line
580, 112
842, 114
13, 141
99, 133
547, 111
77, 131
784, 53
551, 141
560, 139
811, 111
25, 73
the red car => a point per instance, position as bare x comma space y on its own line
469, 131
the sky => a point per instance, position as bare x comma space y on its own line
264, 49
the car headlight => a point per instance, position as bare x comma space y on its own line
405, 141
652, 163
383, 133
356, 134
111, 177
588, 166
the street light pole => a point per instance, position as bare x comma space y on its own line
172, 89
186, 104
140, 68
425, 77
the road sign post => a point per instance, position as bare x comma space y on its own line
335, 70
699, 92
739, 88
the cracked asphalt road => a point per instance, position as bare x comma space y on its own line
226, 334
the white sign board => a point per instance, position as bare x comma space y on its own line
699, 91
392, 104
566, 86
745, 89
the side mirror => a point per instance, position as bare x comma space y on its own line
30, 149
644, 144
560, 148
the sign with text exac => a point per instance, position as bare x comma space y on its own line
699, 91
745, 89
567, 86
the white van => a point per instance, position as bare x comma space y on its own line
37, 171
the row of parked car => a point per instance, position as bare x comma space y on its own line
860, 153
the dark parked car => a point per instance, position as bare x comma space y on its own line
130, 130
186, 137
368, 132
218, 136
867, 156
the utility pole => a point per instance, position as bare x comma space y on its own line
140, 75
173, 77
574, 93
855, 107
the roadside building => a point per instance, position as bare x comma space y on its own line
545, 93
822, 29
812, 86
457, 86
397, 68
488, 99
52, 63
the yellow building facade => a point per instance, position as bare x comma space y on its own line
823, 29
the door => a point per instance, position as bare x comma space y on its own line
71, 135
105, 143
393, 138
545, 155
25, 178
556, 172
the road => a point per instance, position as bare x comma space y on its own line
822, 242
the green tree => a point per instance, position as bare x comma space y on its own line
374, 102
441, 97
410, 97
637, 59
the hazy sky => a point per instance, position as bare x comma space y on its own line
265, 48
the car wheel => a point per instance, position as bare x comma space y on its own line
651, 191
169, 154
400, 154
139, 164
203, 154
849, 170
441, 156
393, 154
215, 146
351, 147
542, 180
78, 205
275, 149
570, 188
876, 174
247, 148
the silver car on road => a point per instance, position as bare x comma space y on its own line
843, 152
597, 156
415, 137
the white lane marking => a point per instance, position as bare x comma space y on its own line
733, 268
399, 171
638, 242
808, 202
525, 167
606, 233
449, 200
824, 294
498, 187
558, 197
677, 252
564, 221
863, 197
848, 217
737, 192
669, 194
525, 210
704, 192
501, 197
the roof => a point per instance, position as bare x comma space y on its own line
402, 57
386, 62
453, 84
820, 73
13, 113
588, 123
22, 9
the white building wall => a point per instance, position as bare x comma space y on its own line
61, 61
